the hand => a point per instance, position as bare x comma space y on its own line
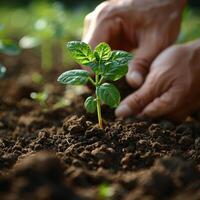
148, 25
172, 87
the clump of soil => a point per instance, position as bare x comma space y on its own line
38, 176
137, 159
60, 154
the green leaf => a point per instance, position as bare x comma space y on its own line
74, 77
98, 67
81, 52
102, 51
2, 71
121, 57
39, 96
117, 66
37, 78
90, 104
9, 47
115, 72
105, 191
109, 94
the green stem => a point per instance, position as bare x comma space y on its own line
101, 80
98, 104
46, 56
99, 112
91, 80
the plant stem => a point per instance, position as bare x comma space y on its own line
91, 80
98, 104
102, 78
46, 56
99, 112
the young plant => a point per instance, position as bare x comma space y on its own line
105, 191
40, 97
106, 65
2, 71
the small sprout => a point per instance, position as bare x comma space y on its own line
2, 71
61, 103
40, 97
107, 65
37, 78
8, 47
29, 42
105, 191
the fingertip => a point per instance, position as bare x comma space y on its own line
123, 111
150, 111
135, 78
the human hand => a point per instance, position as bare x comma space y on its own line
146, 25
172, 87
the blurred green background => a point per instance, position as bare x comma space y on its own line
33, 34
40, 24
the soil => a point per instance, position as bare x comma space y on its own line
49, 153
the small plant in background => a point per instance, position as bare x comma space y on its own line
2, 71
105, 191
7, 47
37, 78
52, 25
40, 97
106, 65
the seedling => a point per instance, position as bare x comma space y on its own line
2, 71
37, 78
40, 97
106, 65
105, 191
8, 47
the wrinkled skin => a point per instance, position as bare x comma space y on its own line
167, 78
172, 87
149, 26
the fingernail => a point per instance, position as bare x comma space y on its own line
123, 111
136, 77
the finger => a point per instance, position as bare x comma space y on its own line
177, 116
167, 103
139, 67
183, 112
136, 102
87, 23
102, 26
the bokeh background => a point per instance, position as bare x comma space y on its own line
44, 23
33, 34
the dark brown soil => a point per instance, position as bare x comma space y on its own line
59, 154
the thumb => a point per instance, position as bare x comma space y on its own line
139, 66
137, 101
169, 103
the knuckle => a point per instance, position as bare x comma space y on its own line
142, 65
150, 113
88, 18
105, 11
161, 104
136, 101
